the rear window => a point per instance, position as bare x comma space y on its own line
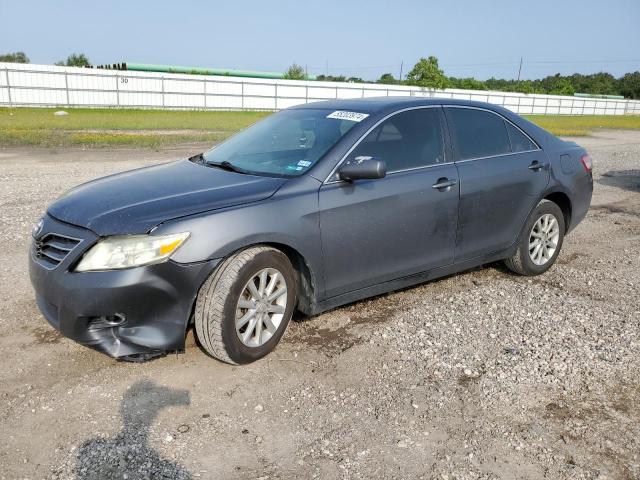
478, 133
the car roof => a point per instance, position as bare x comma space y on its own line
385, 104
378, 107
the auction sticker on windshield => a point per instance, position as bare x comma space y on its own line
344, 115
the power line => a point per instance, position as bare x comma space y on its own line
538, 62
351, 67
532, 64
583, 61
484, 64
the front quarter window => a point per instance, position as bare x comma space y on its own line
286, 143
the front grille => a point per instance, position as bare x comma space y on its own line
52, 249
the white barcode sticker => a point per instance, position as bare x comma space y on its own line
344, 115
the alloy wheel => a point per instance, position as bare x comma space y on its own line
543, 239
261, 307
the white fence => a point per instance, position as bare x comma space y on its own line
24, 85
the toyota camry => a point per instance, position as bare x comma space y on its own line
311, 208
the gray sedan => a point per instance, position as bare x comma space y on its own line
312, 208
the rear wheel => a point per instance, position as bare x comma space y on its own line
540, 241
244, 307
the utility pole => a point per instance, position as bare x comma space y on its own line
401, 65
519, 69
327, 68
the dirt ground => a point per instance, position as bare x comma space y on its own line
479, 375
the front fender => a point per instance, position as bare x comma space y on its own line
289, 218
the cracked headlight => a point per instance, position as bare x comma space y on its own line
126, 251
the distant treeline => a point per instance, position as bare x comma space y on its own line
598, 83
73, 60
427, 73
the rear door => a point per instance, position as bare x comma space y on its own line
502, 174
378, 230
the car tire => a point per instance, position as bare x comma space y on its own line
227, 299
544, 227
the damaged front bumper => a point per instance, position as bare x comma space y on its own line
133, 314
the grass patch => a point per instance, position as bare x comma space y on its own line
85, 127
581, 125
61, 138
126, 119
132, 140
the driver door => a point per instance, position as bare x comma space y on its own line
374, 231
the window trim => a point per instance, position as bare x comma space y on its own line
328, 181
469, 107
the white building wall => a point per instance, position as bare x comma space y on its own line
49, 85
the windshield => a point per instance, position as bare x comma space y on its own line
286, 143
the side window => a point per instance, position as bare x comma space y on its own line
519, 141
388, 132
478, 133
410, 139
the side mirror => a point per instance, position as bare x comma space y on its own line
362, 168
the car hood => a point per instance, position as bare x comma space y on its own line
136, 201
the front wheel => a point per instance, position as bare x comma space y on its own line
244, 307
540, 241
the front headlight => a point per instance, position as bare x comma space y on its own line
128, 251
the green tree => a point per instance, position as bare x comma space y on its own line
603, 84
497, 84
387, 79
467, 83
75, 60
332, 78
629, 85
16, 57
524, 86
580, 82
427, 73
295, 72
562, 86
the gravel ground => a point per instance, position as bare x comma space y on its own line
479, 375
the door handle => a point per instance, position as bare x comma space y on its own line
536, 166
443, 183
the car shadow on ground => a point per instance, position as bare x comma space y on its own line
128, 455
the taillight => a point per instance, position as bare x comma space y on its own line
587, 163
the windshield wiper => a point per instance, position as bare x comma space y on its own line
226, 166
199, 158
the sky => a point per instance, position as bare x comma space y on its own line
481, 38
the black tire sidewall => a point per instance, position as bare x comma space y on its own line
543, 208
237, 351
